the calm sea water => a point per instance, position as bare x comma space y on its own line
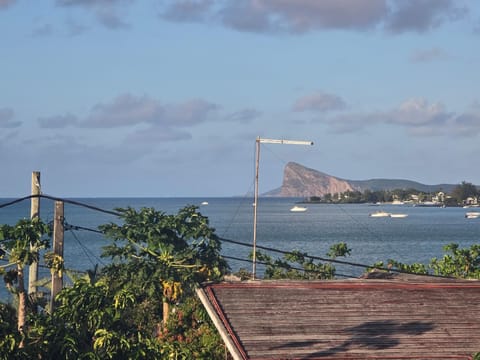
416, 238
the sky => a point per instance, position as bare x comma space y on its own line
151, 98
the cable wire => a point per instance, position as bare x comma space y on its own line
343, 262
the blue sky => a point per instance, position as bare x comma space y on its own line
166, 98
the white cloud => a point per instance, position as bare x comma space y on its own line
418, 112
130, 110
417, 116
124, 110
189, 113
319, 101
5, 3
423, 15
301, 16
109, 13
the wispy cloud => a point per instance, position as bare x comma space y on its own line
293, 16
428, 55
43, 30
128, 110
188, 10
6, 118
301, 16
319, 101
109, 13
417, 116
5, 3
124, 110
423, 15
57, 122
243, 116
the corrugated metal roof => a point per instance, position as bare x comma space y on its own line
350, 319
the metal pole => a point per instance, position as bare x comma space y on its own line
258, 141
255, 206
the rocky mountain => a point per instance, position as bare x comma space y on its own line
300, 181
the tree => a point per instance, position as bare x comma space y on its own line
119, 312
458, 262
157, 261
22, 243
464, 191
298, 265
169, 254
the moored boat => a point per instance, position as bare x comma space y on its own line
298, 209
472, 215
380, 213
398, 216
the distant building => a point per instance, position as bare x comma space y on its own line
439, 197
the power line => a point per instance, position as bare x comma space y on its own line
68, 201
87, 251
77, 203
289, 267
334, 260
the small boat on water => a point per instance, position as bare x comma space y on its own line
472, 215
205, 203
379, 214
398, 216
298, 209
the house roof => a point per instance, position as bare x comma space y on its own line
347, 319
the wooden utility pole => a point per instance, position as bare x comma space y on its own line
58, 239
34, 213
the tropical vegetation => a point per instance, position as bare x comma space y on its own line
460, 195
139, 306
142, 304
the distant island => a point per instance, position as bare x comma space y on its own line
300, 181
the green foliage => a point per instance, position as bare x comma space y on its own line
459, 263
463, 191
9, 336
189, 333
183, 247
415, 268
299, 266
340, 249
116, 313
23, 241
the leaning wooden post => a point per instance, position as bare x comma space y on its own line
34, 213
58, 238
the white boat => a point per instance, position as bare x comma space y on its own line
205, 203
379, 214
298, 209
472, 215
398, 216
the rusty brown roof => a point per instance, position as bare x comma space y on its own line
347, 319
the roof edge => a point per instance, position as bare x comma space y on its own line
219, 324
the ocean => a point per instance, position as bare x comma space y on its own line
416, 238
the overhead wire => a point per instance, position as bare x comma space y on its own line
343, 262
86, 250
95, 208
54, 198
